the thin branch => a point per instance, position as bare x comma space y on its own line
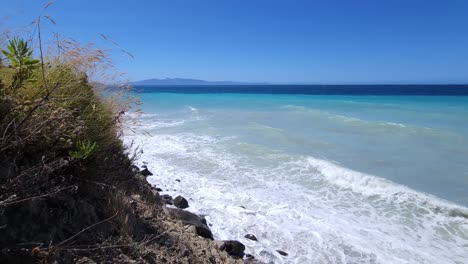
40, 50
48, 4
101, 184
142, 242
3, 203
85, 229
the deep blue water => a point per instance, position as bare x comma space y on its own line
451, 90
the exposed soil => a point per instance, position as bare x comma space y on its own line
108, 214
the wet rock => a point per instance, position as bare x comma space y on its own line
458, 213
233, 247
189, 218
145, 172
204, 231
249, 257
282, 253
180, 202
167, 198
251, 237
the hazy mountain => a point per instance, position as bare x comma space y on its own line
180, 81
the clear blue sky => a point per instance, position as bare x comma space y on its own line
328, 41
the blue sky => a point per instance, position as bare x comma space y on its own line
360, 41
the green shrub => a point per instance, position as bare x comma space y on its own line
19, 55
84, 150
42, 117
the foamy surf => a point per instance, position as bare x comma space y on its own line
325, 214
232, 170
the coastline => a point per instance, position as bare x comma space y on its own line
315, 210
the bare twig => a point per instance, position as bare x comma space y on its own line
42, 57
85, 229
139, 243
101, 184
48, 4
4, 203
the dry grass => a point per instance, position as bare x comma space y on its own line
64, 101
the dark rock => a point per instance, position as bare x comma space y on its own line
248, 256
458, 213
146, 172
249, 259
159, 189
189, 218
166, 198
180, 202
234, 248
251, 237
177, 180
204, 231
282, 253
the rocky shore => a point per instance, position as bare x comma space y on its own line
105, 222
69, 189
195, 229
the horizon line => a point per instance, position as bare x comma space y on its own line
310, 84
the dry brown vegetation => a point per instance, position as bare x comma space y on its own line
60, 152
69, 193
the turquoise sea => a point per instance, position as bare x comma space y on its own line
327, 178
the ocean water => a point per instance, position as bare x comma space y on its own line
343, 177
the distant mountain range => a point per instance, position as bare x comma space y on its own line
180, 81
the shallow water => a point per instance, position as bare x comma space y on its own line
328, 179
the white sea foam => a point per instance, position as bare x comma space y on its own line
193, 109
316, 210
141, 115
161, 123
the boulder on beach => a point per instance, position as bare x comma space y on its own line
282, 253
192, 219
166, 198
180, 202
251, 237
250, 259
145, 172
233, 247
